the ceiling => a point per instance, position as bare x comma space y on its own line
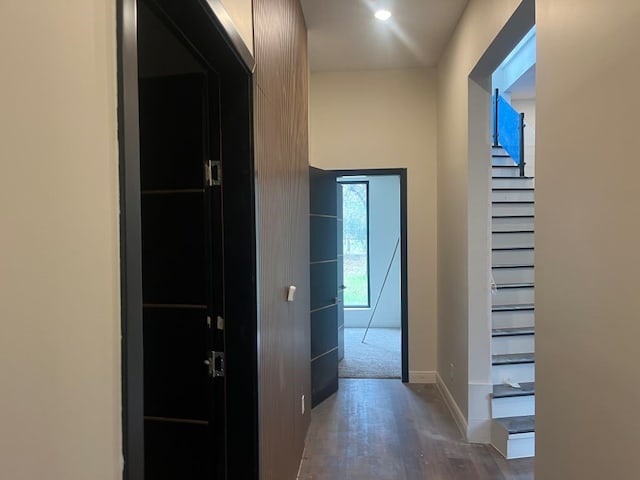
344, 35
525, 87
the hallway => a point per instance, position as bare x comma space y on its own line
386, 430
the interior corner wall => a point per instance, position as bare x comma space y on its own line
60, 370
387, 119
384, 232
478, 27
241, 13
282, 172
587, 238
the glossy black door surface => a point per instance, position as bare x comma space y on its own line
324, 284
341, 287
184, 419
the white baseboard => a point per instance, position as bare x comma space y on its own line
422, 377
457, 414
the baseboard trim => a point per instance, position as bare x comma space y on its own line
457, 414
422, 377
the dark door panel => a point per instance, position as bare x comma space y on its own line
182, 272
324, 284
174, 269
175, 450
175, 376
340, 252
174, 144
324, 377
323, 331
323, 231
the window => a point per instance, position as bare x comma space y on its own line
355, 238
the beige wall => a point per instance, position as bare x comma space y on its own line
387, 119
587, 240
241, 13
59, 261
462, 287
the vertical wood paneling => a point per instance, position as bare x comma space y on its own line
281, 158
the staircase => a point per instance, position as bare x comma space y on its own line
513, 346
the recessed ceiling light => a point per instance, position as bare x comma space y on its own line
383, 15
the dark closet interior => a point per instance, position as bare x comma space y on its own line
198, 323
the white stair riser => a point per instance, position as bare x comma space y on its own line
512, 257
506, 182
513, 344
513, 196
513, 319
513, 406
513, 296
505, 209
508, 224
521, 445
512, 239
505, 172
502, 160
498, 151
520, 372
514, 275
518, 445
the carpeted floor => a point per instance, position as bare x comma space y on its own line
378, 357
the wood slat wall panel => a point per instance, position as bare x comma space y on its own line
281, 157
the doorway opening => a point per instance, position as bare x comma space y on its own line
189, 323
371, 265
374, 337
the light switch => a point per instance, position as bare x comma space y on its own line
291, 294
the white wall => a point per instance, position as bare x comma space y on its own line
587, 239
59, 262
387, 119
241, 13
384, 231
463, 288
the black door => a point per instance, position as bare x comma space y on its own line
324, 284
341, 287
182, 278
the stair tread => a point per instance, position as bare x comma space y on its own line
505, 391
515, 285
513, 331
513, 178
512, 248
513, 231
512, 216
513, 425
505, 166
512, 358
510, 308
519, 265
506, 202
512, 189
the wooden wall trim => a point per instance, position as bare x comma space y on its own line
281, 156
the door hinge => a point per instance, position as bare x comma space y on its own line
213, 173
220, 323
215, 362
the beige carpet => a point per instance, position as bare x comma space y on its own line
378, 357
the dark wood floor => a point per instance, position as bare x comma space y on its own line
386, 430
